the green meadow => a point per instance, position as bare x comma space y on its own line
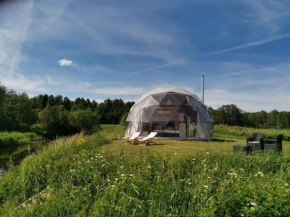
98, 175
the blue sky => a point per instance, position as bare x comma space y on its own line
122, 49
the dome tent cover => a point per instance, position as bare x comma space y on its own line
170, 111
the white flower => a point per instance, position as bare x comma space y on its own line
116, 179
113, 186
259, 174
108, 180
253, 204
149, 167
103, 165
208, 177
175, 153
286, 184
122, 175
121, 167
207, 152
206, 186
131, 175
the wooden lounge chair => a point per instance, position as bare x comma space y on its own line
134, 138
148, 139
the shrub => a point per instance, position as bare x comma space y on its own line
84, 120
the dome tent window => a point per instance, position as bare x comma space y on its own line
170, 111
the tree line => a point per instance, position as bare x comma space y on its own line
52, 116
233, 116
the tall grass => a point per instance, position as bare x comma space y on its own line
71, 177
8, 139
222, 131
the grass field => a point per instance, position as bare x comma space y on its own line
97, 176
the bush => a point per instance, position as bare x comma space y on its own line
8, 139
84, 120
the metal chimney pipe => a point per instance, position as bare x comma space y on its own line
202, 88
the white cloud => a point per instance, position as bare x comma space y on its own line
15, 21
86, 87
65, 62
20, 82
268, 14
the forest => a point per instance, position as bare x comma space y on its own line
51, 116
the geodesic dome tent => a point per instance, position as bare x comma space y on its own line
172, 112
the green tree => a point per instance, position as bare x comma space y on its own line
229, 115
84, 120
2, 99
272, 119
54, 121
18, 114
67, 103
282, 120
44, 101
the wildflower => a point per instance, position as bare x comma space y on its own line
108, 180
122, 175
208, 177
207, 152
113, 186
189, 183
286, 184
253, 204
121, 167
131, 175
259, 174
193, 159
242, 214
206, 186
149, 167
175, 153
103, 165
116, 179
